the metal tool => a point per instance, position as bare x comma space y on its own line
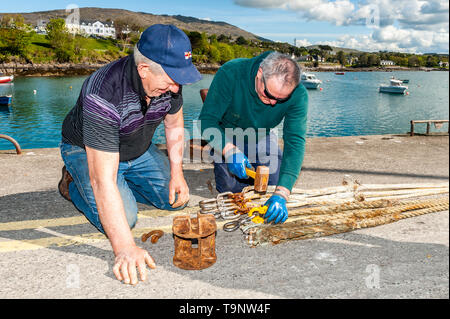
222, 206
255, 216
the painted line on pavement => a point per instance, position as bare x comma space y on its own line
71, 221
58, 239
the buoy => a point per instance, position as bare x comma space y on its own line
34, 91
407, 93
321, 89
70, 87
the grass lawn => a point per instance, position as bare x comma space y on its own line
40, 50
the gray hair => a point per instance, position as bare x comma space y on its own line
139, 58
281, 66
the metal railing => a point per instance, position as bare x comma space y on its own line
16, 145
428, 122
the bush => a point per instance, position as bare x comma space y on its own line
14, 41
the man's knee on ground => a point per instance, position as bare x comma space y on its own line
169, 207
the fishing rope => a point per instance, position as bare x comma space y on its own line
342, 218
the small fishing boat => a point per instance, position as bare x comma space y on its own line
310, 81
5, 99
339, 73
396, 86
6, 79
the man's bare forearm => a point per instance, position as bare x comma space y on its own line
174, 130
112, 215
103, 168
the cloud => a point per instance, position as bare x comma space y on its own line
345, 12
393, 39
404, 24
302, 42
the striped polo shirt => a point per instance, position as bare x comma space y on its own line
112, 115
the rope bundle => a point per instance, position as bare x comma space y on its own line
322, 215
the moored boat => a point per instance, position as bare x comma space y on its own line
339, 73
5, 99
395, 86
310, 81
6, 79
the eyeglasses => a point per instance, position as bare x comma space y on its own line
271, 97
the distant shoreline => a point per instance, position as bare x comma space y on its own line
369, 69
72, 69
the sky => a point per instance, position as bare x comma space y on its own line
414, 26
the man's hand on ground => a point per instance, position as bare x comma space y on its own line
126, 262
178, 185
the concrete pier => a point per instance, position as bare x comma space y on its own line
49, 250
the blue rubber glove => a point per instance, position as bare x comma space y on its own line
236, 163
276, 209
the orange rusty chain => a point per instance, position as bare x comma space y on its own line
225, 205
236, 207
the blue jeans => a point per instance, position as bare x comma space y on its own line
266, 152
144, 180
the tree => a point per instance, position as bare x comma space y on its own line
325, 48
61, 40
373, 60
363, 60
226, 53
223, 38
241, 41
432, 61
214, 54
340, 56
413, 61
324, 51
213, 39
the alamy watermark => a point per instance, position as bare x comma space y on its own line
373, 17
373, 280
74, 17
72, 276
260, 145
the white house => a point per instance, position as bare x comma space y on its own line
88, 28
387, 63
304, 58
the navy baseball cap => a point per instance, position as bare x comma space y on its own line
170, 47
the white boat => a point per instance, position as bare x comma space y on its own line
310, 81
6, 79
396, 86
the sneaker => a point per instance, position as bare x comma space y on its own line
63, 185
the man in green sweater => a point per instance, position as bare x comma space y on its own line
246, 99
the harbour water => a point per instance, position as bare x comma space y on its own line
347, 105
